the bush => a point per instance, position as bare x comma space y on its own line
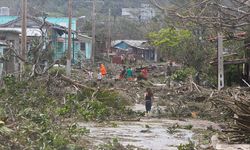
189, 146
32, 112
38, 115
103, 106
183, 74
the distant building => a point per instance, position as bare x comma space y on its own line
144, 13
60, 40
56, 40
138, 49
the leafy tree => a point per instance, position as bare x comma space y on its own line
169, 37
182, 46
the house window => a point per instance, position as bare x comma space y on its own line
83, 47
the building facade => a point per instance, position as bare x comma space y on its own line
57, 33
144, 13
137, 49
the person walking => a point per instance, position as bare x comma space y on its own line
143, 74
123, 73
103, 70
90, 74
148, 100
99, 77
129, 74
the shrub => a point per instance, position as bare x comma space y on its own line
189, 146
182, 74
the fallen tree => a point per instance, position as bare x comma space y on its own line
238, 102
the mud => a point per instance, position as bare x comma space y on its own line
149, 133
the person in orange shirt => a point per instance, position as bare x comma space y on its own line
103, 70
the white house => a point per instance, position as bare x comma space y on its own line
144, 13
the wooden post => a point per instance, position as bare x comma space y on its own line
220, 62
24, 33
156, 54
93, 31
68, 66
109, 38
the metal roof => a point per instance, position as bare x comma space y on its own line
9, 30
6, 19
30, 31
85, 36
61, 21
133, 43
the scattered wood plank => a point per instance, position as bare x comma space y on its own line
69, 80
246, 82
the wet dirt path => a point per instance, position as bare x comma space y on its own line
148, 133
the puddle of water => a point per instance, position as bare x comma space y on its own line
129, 133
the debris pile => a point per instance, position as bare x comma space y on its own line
238, 102
187, 99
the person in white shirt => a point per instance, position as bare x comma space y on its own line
99, 76
90, 75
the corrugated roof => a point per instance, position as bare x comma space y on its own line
30, 31
12, 30
61, 21
6, 19
133, 43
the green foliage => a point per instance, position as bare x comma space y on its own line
232, 75
36, 123
173, 129
189, 146
2, 114
57, 70
39, 116
113, 145
95, 110
114, 125
188, 127
183, 74
168, 37
104, 106
5, 130
183, 46
76, 130
9, 81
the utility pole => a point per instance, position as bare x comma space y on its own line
68, 66
24, 33
109, 38
220, 62
220, 54
93, 31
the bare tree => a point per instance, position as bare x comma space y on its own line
230, 14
